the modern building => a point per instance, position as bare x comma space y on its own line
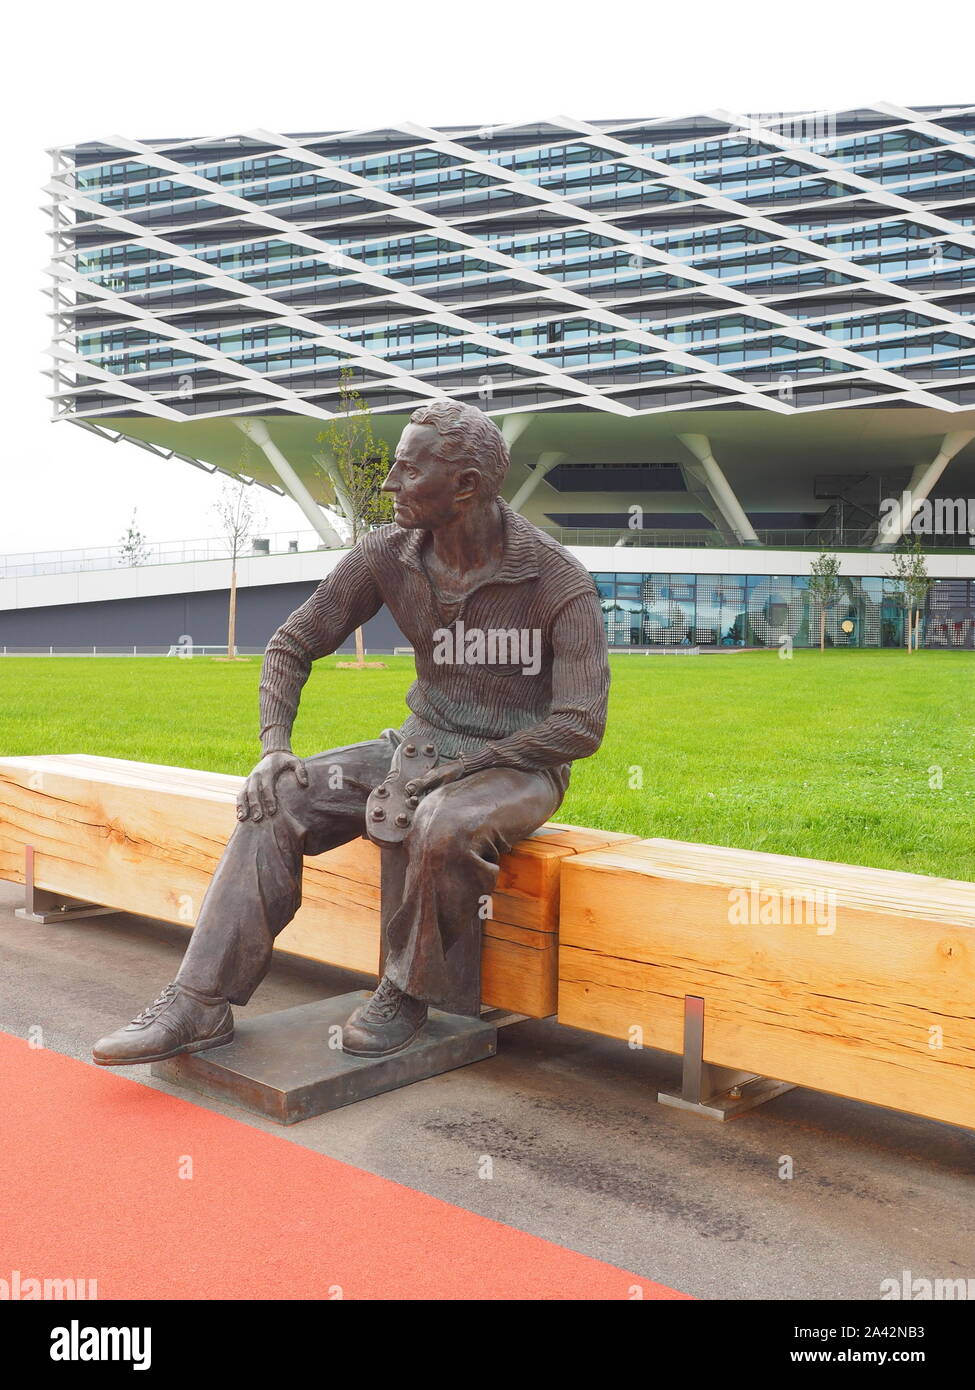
715, 344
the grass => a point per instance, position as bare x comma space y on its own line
833, 756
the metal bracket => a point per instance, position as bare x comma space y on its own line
706, 1089
44, 907
502, 1018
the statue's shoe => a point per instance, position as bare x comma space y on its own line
384, 1024
180, 1020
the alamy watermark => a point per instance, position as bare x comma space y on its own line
77, 1343
23, 1288
799, 129
494, 646
756, 906
919, 1290
944, 516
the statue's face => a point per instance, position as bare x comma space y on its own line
427, 492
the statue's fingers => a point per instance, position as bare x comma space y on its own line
417, 786
254, 801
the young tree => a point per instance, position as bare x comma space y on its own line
238, 515
355, 462
913, 585
911, 590
133, 549
824, 585
918, 584
902, 562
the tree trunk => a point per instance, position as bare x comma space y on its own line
822, 628
360, 646
232, 620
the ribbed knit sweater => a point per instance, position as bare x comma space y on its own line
516, 674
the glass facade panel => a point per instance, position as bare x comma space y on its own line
760, 610
194, 230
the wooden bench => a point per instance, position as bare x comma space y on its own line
856, 981
146, 839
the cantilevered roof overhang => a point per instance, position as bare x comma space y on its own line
771, 462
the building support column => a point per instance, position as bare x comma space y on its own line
546, 462
707, 470
256, 430
330, 466
512, 427
698, 491
923, 480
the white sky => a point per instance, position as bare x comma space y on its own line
86, 70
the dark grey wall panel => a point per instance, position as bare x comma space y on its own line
162, 619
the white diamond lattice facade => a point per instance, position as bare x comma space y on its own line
705, 331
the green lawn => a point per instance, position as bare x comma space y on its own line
831, 755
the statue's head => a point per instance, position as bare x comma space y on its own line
450, 457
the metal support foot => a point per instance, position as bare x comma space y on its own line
43, 907
706, 1089
503, 1018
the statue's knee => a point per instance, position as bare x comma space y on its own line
289, 792
439, 833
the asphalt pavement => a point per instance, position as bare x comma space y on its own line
810, 1196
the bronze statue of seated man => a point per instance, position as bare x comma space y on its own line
511, 686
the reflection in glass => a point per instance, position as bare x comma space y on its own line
733, 610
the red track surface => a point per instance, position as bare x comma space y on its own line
91, 1189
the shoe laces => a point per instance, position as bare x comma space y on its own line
157, 1005
386, 1000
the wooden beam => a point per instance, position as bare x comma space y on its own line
146, 839
851, 980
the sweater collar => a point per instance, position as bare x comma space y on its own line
519, 560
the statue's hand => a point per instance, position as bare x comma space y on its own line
440, 776
257, 796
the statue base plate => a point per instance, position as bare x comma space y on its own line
288, 1067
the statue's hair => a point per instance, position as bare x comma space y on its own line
467, 437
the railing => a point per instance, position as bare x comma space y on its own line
108, 650
30, 563
586, 535
173, 650
180, 552
780, 539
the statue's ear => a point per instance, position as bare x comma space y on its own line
468, 483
